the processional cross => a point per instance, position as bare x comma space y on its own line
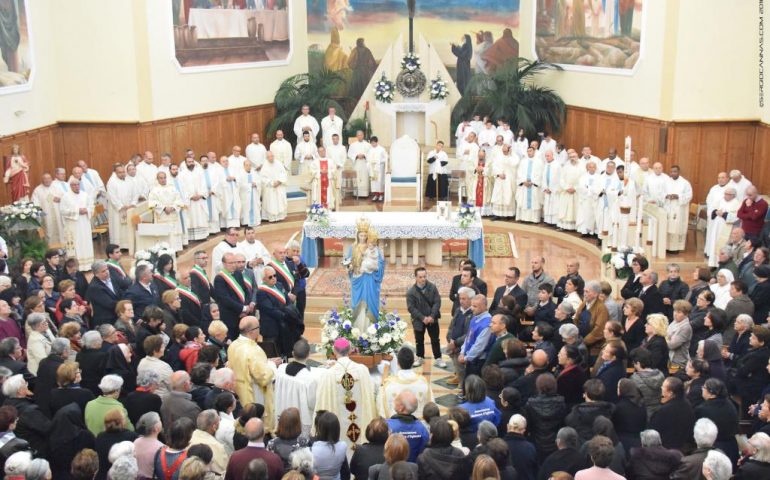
411, 5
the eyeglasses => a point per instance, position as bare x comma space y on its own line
270, 277
252, 329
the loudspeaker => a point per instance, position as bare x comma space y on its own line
663, 138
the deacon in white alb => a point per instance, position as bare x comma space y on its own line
120, 198
377, 161
323, 180
305, 151
76, 210
678, 197
588, 196
330, 125
740, 183
551, 188
48, 196
92, 177
306, 123
275, 206
184, 194
166, 204
713, 199
231, 196
281, 150
568, 198
197, 214
256, 152
528, 194
722, 217
504, 170
211, 176
251, 195
357, 155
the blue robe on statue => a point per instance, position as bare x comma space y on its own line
366, 286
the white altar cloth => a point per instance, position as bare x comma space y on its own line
229, 23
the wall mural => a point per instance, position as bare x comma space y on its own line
589, 35
16, 63
350, 36
211, 33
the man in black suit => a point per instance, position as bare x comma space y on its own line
11, 354
46, 373
230, 293
143, 291
525, 384
568, 458
102, 294
573, 273
199, 280
612, 369
650, 295
273, 316
191, 311
118, 275
467, 278
511, 287
283, 272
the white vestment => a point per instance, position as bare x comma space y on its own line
618, 162
568, 202
504, 190
461, 133
44, 197
401, 381
256, 153
306, 123
252, 251
304, 153
507, 137
654, 190
281, 150
678, 211
546, 145
251, 197
330, 126
607, 187
338, 155
218, 252
275, 205
236, 164
487, 138
139, 187
197, 214
319, 168
529, 199
347, 383
625, 214
550, 191
299, 392
230, 199
95, 182
166, 196
362, 172
212, 180
468, 158
714, 197
740, 187
721, 226
585, 220
377, 161
149, 173
520, 146
120, 197
184, 194
78, 239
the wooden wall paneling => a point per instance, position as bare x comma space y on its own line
212, 135
165, 141
760, 172
101, 149
76, 145
148, 139
226, 126
740, 147
241, 131
649, 140
126, 143
605, 135
181, 140
712, 159
198, 136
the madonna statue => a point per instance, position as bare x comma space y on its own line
366, 267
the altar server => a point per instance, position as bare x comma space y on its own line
438, 178
520, 144
677, 205
250, 183
504, 171
306, 123
550, 188
48, 197
487, 137
588, 195
528, 180
120, 198
166, 204
281, 150
275, 205
357, 154
77, 208
330, 125
377, 161
231, 196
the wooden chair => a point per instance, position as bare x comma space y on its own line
697, 214
102, 225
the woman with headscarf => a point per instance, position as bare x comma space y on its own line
463, 53
721, 288
68, 436
119, 363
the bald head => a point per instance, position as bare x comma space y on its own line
255, 430
180, 381
539, 359
752, 192
248, 326
405, 403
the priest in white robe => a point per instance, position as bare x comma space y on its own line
330, 125
469, 156
120, 200
305, 152
487, 137
337, 153
461, 133
60, 182
166, 204
357, 154
140, 189
740, 183
640, 172
588, 197
400, 381
520, 144
255, 252
251, 195
568, 185
182, 190
323, 181
77, 208
236, 160
528, 193
230, 200
625, 214
90, 188
587, 156
715, 196
346, 389
504, 171
93, 178
306, 123
281, 150
551, 188
256, 152
608, 187
723, 217
48, 197
377, 163
612, 156
147, 170
197, 215
677, 205
654, 191
547, 144
211, 176
275, 205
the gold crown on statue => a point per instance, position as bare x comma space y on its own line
363, 225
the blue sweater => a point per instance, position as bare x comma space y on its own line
413, 430
477, 342
484, 410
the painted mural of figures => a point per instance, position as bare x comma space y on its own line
463, 53
578, 19
362, 63
337, 12
504, 49
17, 174
484, 41
626, 14
10, 35
335, 58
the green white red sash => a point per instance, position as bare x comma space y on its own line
201, 273
283, 270
247, 280
274, 292
234, 285
166, 279
117, 266
189, 294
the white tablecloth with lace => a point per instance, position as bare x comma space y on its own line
405, 226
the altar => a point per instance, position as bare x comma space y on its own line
230, 23
411, 235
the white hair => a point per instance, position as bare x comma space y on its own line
302, 461
121, 449
719, 465
650, 438
761, 441
222, 376
92, 339
110, 384
293, 244
518, 422
467, 291
17, 463
735, 173
705, 433
569, 330
59, 346
745, 319
38, 469
36, 319
124, 468
12, 386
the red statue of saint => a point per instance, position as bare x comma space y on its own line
17, 174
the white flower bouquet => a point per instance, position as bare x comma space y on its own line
20, 216
151, 255
319, 214
466, 215
411, 62
621, 260
438, 89
383, 90
385, 336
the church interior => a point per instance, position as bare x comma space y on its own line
91, 84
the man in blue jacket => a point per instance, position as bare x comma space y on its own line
479, 339
405, 423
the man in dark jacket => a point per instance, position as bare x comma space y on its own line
582, 416
652, 461
272, 303
143, 291
526, 383
612, 369
573, 273
467, 278
675, 419
705, 434
522, 451
650, 295
152, 324
231, 295
200, 283
672, 289
103, 295
760, 294
511, 287
92, 361
118, 274
458, 329
32, 425
11, 355
750, 375
53, 267
424, 305
46, 373
567, 458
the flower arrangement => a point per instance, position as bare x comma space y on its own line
151, 255
621, 260
411, 62
383, 90
466, 215
317, 213
20, 216
438, 89
385, 336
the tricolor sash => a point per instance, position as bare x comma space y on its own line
166, 279
274, 292
283, 270
117, 266
234, 285
201, 273
247, 280
189, 294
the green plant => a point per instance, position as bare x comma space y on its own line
510, 93
354, 125
313, 89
